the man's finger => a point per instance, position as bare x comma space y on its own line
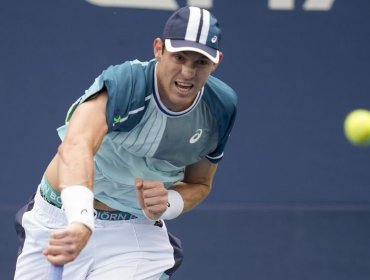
148, 184
139, 192
58, 234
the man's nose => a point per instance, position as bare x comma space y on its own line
188, 70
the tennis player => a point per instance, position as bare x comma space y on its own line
139, 147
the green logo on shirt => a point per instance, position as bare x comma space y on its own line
116, 119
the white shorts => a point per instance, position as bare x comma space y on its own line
117, 250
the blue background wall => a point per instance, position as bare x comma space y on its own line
291, 198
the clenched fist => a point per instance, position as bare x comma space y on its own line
66, 244
153, 198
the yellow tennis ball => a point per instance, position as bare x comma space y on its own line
357, 127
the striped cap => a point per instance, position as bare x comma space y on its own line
193, 29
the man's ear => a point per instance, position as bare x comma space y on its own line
219, 61
221, 57
158, 48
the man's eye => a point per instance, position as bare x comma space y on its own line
178, 57
203, 62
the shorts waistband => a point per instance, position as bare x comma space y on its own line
52, 197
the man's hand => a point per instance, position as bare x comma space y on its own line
66, 244
152, 196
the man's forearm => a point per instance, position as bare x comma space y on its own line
192, 194
75, 166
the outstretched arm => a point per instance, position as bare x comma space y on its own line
72, 173
85, 133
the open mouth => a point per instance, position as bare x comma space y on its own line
184, 87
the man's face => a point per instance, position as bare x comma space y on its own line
180, 76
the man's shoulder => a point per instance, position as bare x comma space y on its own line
130, 67
128, 85
218, 93
131, 77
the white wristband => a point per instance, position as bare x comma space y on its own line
175, 205
78, 205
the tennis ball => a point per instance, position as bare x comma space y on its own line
357, 127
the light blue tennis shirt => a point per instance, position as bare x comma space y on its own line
145, 139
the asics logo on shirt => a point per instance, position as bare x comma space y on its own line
196, 136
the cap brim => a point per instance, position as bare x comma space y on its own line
183, 45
